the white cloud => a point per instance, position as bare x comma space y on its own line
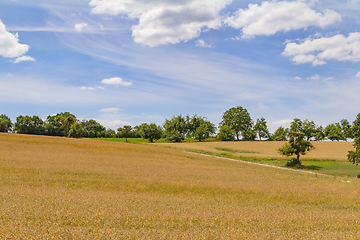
298, 78
110, 110
9, 44
318, 51
202, 43
282, 123
80, 26
86, 88
164, 22
116, 81
357, 75
315, 77
23, 59
272, 17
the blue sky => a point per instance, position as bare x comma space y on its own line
136, 61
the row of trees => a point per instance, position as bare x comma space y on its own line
236, 124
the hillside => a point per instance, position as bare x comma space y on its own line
69, 188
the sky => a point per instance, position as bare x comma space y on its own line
143, 61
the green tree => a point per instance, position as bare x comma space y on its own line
176, 128
151, 131
249, 135
333, 132
226, 133
92, 128
238, 118
280, 134
126, 131
59, 124
29, 125
76, 131
204, 130
319, 134
345, 129
296, 126
354, 156
297, 145
308, 128
110, 133
5, 123
261, 128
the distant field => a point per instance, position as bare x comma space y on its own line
323, 150
52, 188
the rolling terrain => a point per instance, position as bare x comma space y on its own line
85, 189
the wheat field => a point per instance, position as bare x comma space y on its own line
59, 188
268, 149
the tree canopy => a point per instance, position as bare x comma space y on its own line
297, 145
238, 119
5, 123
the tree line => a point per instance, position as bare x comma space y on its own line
236, 124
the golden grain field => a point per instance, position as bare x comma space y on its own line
59, 188
323, 150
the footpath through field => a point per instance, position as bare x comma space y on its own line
258, 164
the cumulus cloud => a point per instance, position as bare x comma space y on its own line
318, 51
23, 59
116, 81
80, 26
9, 44
298, 78
163, 21
357, 75
202, 43
272, 17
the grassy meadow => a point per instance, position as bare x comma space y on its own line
52, 188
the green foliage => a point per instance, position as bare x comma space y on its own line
345, 129
76, 131
297, 145
151, 131
280, 134
59, 124
126, 131
204, 130
110, 133
261, 128
333, 132
249, 135
176, 128
92, 128
319, 134
226, 133
296, 126
354, 156
5, 123
238, 118
29, 125
308, 128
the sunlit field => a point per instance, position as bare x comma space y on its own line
268, 149
52, 188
